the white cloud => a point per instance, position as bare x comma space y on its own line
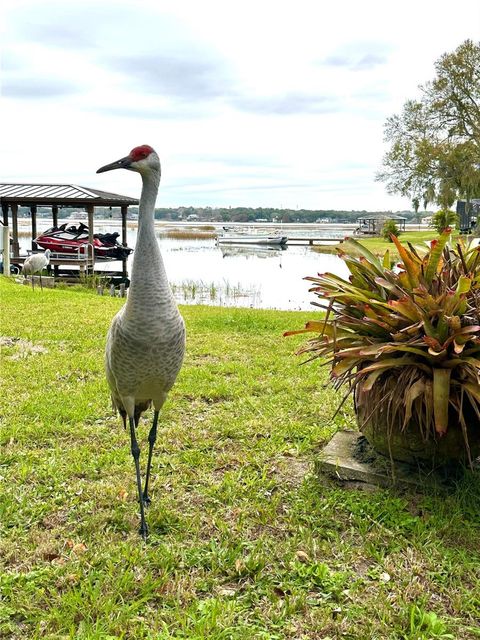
250, 103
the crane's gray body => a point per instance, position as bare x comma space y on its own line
146, 341
36, 263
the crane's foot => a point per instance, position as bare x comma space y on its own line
143, 531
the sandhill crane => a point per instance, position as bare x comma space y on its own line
36, 263
146, 339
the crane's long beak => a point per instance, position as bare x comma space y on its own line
123, 163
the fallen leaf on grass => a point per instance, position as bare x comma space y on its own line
239, 565
76, 547
302, 556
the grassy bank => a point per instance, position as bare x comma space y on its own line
378, 245
245, 542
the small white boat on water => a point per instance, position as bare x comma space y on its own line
229, 237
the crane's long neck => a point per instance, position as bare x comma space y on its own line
149, 296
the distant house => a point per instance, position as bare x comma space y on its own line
468, 218
192, 216
373, 224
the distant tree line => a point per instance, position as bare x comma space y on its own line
231, 214
266, 214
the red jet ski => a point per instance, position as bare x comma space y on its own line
71, 239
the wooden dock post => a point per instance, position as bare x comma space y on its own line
15, 244
90, 209
124, 212
55, 224
6, 250
33, 214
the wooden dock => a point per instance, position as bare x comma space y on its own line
312, 241
83, 261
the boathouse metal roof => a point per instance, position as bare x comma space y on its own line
60, 194
380, 216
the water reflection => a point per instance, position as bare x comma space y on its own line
234, 250
246, 276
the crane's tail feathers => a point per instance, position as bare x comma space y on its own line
140, 407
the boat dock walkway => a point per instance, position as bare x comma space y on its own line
312, 241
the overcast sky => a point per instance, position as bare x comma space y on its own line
251, 103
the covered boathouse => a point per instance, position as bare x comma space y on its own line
56, 196
373, 224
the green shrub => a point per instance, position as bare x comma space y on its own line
388, 229
444, 218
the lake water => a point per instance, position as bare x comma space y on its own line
244, 276
200, 271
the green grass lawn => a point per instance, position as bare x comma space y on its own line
378, 245
245, 541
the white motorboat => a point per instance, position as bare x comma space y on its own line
227, 237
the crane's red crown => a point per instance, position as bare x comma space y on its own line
140, 153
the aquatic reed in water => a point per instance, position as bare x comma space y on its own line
198, 291
189, 234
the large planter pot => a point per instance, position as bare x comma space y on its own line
409, 444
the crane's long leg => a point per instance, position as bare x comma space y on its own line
41, 284
136, 457
152, 436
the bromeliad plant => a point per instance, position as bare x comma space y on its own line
418, 322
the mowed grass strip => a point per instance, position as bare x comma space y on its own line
245, 541
378, 245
